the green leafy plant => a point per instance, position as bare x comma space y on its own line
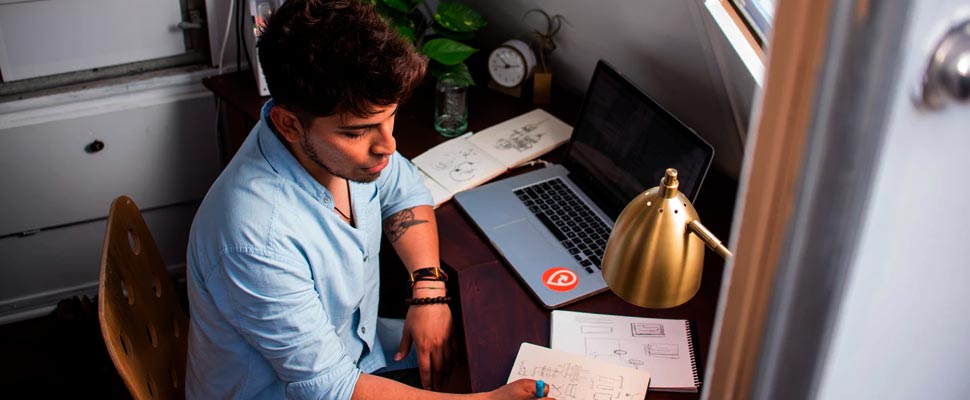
544, 40
452, 25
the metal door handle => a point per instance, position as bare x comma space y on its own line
947, 77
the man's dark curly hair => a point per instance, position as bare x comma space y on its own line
326, 57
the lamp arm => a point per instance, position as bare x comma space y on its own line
712, 241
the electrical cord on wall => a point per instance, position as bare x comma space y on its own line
241, 25
239, 38
225, 36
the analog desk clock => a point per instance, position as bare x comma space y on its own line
511, 64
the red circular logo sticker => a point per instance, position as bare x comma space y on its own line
560, 279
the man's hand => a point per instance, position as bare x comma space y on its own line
521, 389
429, 327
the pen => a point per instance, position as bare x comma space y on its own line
540, 389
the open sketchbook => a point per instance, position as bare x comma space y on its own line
660, 348
473, 159
572, 377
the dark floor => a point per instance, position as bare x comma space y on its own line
61, 355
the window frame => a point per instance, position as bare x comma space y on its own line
754, 19
197, 54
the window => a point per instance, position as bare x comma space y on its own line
759, 15
47, 44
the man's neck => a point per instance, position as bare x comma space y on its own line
320, 174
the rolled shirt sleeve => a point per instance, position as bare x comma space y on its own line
400, 187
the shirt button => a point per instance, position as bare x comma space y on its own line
363, 329
365, 258
326, 200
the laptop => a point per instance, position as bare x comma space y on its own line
551, 225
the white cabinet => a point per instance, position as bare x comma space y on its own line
157, 154
160, 148
41, 269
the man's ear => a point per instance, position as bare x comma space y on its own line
286, 123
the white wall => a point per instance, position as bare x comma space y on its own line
666, 46
662, 45
903, 331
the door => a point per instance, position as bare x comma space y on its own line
901, 326
851, 269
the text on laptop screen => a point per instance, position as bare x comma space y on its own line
624, 141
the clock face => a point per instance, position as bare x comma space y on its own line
507, 66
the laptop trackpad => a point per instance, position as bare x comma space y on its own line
527, 247
522, 234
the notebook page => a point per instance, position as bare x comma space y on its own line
572, 377
659, 347
523, 138
458, 165
438, 193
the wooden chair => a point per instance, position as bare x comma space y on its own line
143, 325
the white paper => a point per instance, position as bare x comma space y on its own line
654, 346
574, 377
438, 193
473, 159
458, 165
523, 138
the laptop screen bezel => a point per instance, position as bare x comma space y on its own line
589, 181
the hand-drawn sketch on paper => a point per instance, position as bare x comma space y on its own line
521, 139
652, 329
572, 377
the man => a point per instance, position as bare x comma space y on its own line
282, 259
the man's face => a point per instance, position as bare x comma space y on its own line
350, 147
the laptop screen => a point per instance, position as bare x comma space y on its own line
623, 141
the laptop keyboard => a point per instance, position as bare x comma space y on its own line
578, 229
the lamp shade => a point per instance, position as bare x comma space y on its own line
655, 253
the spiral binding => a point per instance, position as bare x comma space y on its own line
693, 357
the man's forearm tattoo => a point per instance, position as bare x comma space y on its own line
397, 224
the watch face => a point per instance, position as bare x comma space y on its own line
507, 66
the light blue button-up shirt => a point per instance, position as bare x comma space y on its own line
283, 293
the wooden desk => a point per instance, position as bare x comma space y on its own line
496, 311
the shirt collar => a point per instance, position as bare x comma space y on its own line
284, 163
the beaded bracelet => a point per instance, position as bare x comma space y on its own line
428, 274
420, 301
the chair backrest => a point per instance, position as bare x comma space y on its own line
144, 327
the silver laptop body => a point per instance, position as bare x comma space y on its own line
621, 145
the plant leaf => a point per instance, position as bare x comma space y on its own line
459, 17
399, 5
447, 51
450, 34
460, 70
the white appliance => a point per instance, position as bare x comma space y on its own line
259, 13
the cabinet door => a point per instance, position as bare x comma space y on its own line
159, 151
47, 37
38, 270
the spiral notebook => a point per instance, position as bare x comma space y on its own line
661, 348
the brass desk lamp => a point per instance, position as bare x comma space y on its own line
655, 253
